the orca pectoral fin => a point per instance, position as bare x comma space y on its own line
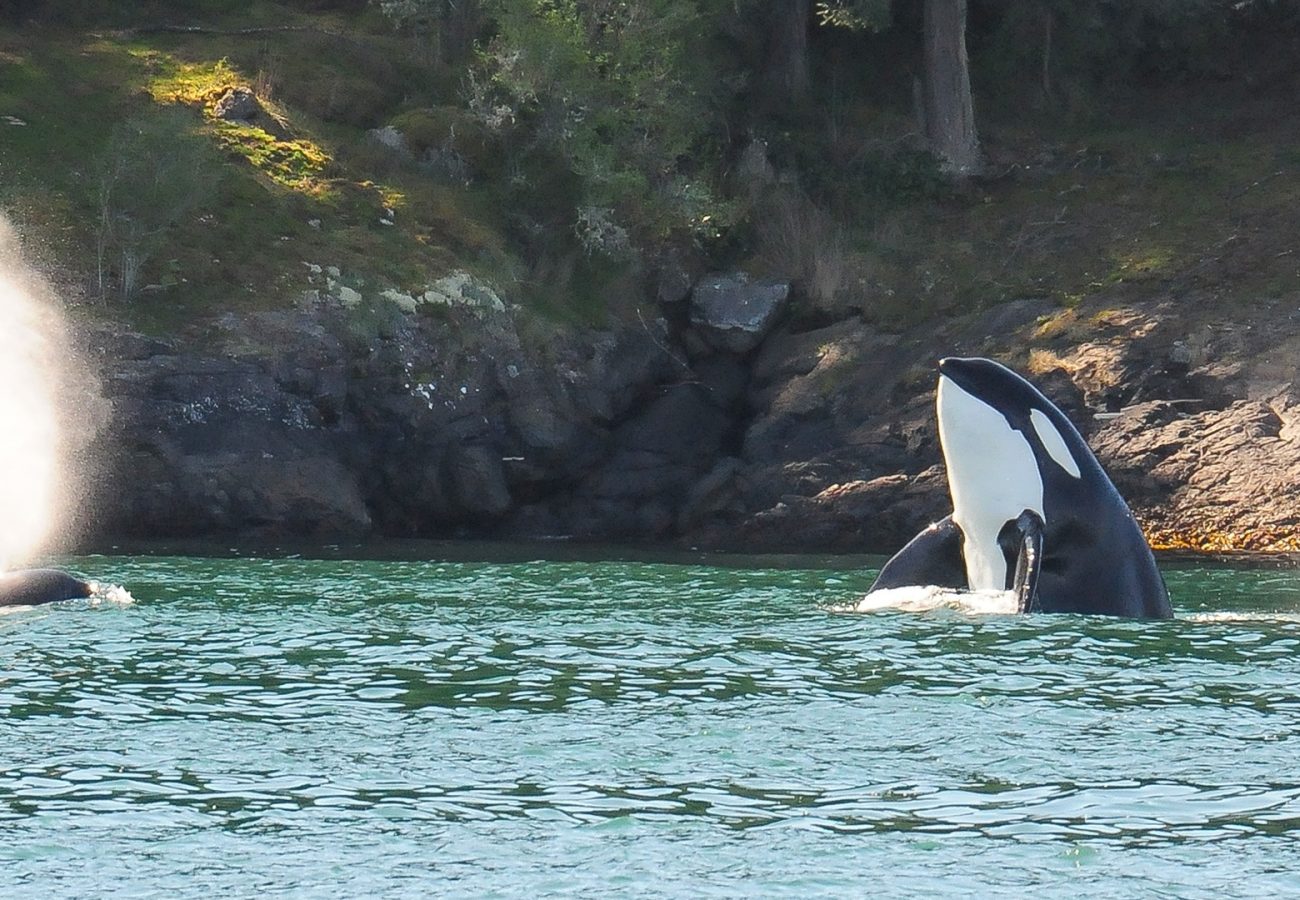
933, 557
1029, 560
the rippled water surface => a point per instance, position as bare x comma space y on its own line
405, 729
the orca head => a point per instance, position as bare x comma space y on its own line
1003, 444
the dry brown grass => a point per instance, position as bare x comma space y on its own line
799, 240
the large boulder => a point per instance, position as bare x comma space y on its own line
734, 314
238, 104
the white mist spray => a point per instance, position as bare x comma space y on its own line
30, 439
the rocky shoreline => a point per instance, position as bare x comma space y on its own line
715, 417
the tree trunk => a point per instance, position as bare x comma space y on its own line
949, 112
787, 48
1047, 54
462, 20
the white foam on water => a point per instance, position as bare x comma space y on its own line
114, 594
1229, 617
925, 598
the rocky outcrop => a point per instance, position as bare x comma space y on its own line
1199, 424
426, 419
446, 411
1225, 479
211, 445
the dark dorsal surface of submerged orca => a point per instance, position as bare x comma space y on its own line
30, 587
1033, 511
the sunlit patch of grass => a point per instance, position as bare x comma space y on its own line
1056, 325
297, 164
191, 83
1139, 265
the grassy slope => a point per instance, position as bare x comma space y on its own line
1133, 204
247, 244
1133, 201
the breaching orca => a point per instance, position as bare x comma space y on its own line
32, 586
1033, 511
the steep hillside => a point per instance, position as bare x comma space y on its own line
89, 137
358, 306
367, 156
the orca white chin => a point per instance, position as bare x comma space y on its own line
993, 477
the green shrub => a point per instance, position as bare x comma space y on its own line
439, 130
619, 91
338, 97
155, 171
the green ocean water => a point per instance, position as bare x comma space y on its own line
349, 728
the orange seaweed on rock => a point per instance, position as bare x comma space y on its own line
1210, 540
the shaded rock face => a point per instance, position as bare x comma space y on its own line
322, 422
444, 421
476, 481
211, 445
655, 458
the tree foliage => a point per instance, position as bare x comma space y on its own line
617, 89
621, 91
632, 114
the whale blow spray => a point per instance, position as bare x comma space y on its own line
30, 438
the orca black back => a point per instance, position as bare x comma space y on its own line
31, 587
